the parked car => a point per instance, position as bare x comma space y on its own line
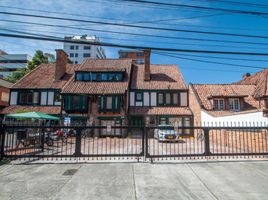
166, 133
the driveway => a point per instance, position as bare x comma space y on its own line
199, 180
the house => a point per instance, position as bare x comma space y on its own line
77, 52
98, 92
260, 80
4, 92
158, 95
226, 104
107, 92
40, 90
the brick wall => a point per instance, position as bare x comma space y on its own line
194, 106
61, 63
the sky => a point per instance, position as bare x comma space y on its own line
195, 67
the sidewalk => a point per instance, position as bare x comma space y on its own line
199, 180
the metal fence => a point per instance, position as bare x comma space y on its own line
137, 142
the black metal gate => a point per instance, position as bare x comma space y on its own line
137, 142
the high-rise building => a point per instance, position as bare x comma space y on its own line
12, 62
78, 52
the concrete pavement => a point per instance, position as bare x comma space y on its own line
198, 180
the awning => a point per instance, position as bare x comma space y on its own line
32, 115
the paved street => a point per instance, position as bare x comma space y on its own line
197, 180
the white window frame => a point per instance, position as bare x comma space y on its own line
217, 105
232, 104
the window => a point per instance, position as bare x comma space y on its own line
87, 55
76, 103
123, 54
71, 55
75, 62
104, 77
79, 76
76, 47
25, 98
36, 98
76, 55
234, 104
97, 76
218, 104
72, 47
160, 98
139, 54
109, 103
86, 77
115, 77
139, 61
175, 98
168, 98
138, 96
87, 47
57, 98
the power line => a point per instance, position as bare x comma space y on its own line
135, 26
235, 3
139, 34
210, 57
177, 5
207, 61
217, 57
137, 22
142, 41
124, 21
57, 39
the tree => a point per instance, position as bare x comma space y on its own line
39, 58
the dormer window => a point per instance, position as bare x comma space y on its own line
234, 104
99, 76
218, 104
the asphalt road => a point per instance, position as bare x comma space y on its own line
199, 180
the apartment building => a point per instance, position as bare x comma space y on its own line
78, 52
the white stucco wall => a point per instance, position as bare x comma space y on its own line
247, 119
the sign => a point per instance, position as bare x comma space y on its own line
109, 128
66, 121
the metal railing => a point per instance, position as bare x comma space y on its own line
31, 141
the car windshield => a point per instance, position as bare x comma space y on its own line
165, 127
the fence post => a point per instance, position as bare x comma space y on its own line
2, 141
206, 140
43, 140
78, 134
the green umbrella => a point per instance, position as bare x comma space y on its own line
33, 115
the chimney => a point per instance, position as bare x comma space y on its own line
246, 75
147, 73
61, 63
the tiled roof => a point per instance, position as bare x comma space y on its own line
5, 83
82, 87
44, 109
43, 77
159, 111
260, 80
205, 91
162, 77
